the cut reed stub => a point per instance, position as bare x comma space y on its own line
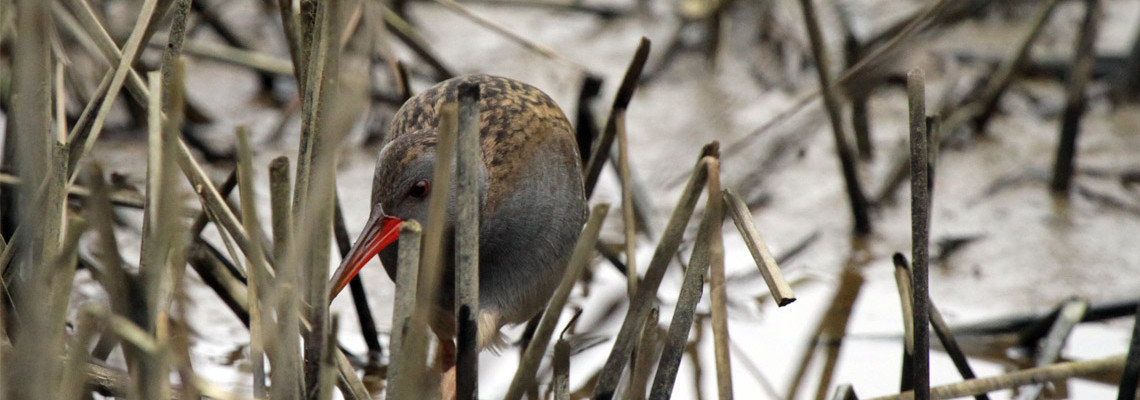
781, 292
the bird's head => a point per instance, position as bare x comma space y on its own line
401, 186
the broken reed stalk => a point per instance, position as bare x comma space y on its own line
601, 150
1079, 75
920, 230
1055, 372
781, 292
646, 294
717, 288
1071, 314
941, 328
629, 223
286, 375
407, 275
858, 200
691, 289
583, 253
1130, 377
468, 160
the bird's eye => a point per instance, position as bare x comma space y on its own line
419, 189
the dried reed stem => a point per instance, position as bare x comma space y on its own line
286, 375
1071, 314
781, 292
561, 381
289, 25
691, 288
647, 290
717, 288
37, 338
906, 300
585, 125
601, 149
645, 353
254, 60
629, 223
831, 102
1055, 372
920, 230
434, 232
313, 197
467, 176
75, 379
407, 275
431, 263
1131, 374
1075, 102
256, 264
941, 328
583, 252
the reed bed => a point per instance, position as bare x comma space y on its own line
61, 212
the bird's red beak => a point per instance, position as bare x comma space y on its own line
380, 232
